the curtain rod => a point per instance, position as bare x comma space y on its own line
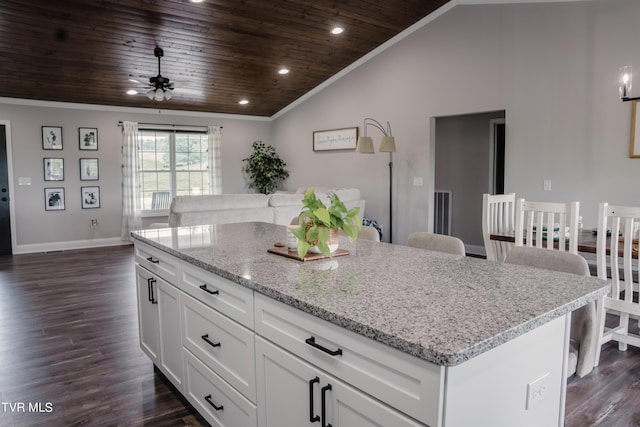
168, 125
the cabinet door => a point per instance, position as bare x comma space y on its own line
285, 388
170, 329
294, 393
147, 314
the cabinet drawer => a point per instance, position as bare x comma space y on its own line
222, 344
225, 296
204, 389
157, 262
411, 385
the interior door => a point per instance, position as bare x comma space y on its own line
5, 218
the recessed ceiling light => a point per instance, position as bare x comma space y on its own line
337, 30
243, 102
134, 81
283, 71
197, 1
132, 92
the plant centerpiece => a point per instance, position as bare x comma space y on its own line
265, 168
319, 224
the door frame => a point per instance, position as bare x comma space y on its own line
12, 212
492, 154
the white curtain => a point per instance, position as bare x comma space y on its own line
215, 163
131, 218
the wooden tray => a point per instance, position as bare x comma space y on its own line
284, 251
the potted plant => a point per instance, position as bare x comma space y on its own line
265, 168
319, 224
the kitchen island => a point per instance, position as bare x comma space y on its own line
387, 335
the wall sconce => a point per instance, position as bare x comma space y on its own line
624, 85
387, 145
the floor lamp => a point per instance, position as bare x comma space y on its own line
387, 145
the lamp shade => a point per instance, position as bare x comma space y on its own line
364, 145
388, 144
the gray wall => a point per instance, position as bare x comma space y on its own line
40, 230
553, 68
462, 167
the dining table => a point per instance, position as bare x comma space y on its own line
587, 247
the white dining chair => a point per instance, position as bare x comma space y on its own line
618, 251
498, 217
583, 333
369, 233
542, 223
436, 242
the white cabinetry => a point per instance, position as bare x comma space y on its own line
406, 383
293, 393
159, 324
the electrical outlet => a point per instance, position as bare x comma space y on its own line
537, 390
94, 224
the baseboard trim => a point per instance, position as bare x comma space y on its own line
69, 245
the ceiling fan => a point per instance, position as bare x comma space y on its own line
161, 87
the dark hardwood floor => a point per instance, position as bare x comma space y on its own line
69, 347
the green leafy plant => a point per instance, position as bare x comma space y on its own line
265, 168
316, 220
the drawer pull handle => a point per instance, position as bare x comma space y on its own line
204, 288
153, 261
208, 399
312, 418
324, 404
211, 343
312, 342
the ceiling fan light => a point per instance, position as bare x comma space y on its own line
159, 96
168, 95
151, 93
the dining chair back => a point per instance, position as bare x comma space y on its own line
542, 224
436, 242
617, 262
498, 217
369, 233
583, 333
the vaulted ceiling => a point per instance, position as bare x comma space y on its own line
217, 52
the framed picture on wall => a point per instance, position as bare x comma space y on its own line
335, 139
53, 169
90, 197
634, 151
51, 137
54, 199
88, 138
89, 169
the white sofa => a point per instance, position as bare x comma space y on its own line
278, 208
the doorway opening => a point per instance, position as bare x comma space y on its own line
5, 184
469, 159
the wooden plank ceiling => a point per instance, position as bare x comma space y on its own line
216, 52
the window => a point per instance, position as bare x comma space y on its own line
171, 163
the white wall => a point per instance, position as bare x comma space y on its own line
553, 67
40, 230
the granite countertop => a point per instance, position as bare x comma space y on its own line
441, 308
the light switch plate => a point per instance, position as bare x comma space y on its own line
24, 180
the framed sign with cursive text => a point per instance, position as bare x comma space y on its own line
335, 139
